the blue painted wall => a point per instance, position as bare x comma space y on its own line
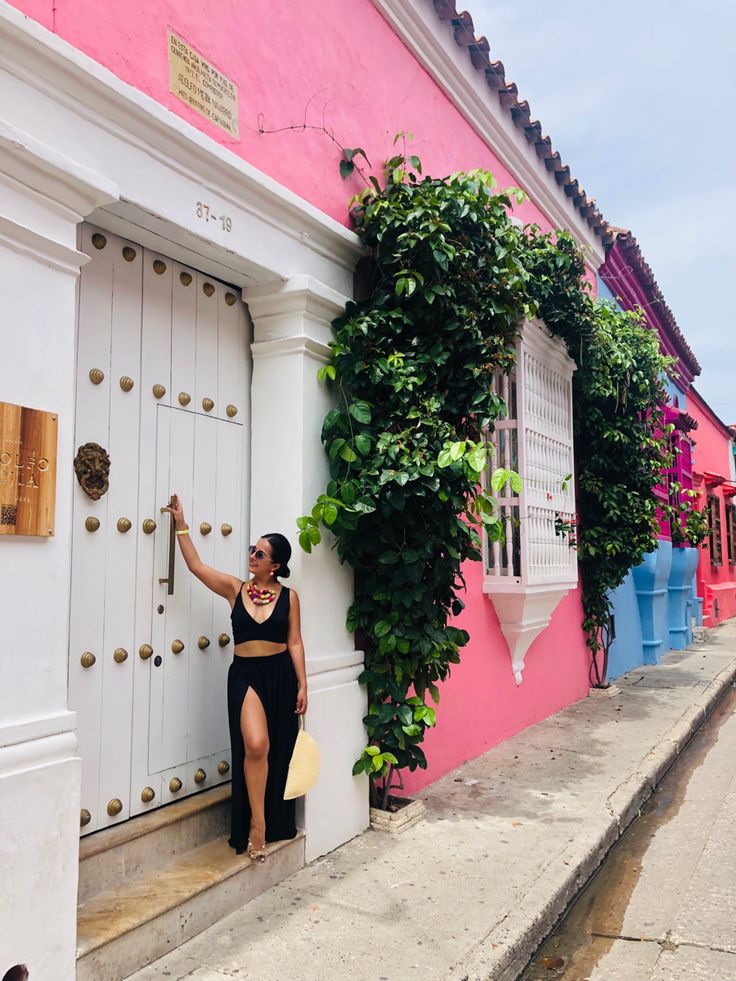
651, 579
626, 651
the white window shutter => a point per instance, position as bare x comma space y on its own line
528, 573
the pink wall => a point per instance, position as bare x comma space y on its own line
281, 55
712, 456
481, 705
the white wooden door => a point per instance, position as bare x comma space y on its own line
153, 718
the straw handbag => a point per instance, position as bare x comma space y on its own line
304, 765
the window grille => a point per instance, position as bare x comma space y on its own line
534, 566
714, 529
731, 532
534, 437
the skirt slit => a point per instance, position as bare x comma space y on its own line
274, 680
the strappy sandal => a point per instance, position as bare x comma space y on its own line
256, 854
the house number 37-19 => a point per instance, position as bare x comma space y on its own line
205, 212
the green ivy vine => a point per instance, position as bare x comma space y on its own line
452, 279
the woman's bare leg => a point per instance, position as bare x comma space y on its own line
255, 738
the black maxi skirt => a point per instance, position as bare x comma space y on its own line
274, 680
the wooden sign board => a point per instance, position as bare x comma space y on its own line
27, 470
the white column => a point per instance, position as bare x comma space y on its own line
42, 198
288, 471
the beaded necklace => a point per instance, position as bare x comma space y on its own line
258, 596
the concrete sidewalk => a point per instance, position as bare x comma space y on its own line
509, 840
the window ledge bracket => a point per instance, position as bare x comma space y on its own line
523, 613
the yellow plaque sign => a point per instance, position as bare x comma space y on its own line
200, 86
27, 470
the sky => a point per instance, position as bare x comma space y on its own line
639, 97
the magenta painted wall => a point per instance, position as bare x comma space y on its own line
712, 454
343, 56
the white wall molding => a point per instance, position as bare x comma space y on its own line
163, 165
51, 174
40, 248
300, 294
294, 317
317, 350
324, 679
431, 42
30, 755
37, 727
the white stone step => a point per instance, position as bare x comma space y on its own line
149, 884
122, 929
137, 847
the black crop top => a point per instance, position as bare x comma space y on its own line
275, 628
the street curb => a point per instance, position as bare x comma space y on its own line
509, 946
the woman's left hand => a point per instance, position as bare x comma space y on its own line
301, 700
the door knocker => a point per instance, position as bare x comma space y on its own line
92, 467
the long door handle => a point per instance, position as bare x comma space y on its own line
172, 554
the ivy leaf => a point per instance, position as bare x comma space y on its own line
335, 446
331, 419
347, 167
360, 411
329, 514
363, 444
390, 557
382, 628
498, 479
477, 458
405, 713
347, 453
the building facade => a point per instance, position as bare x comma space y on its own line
714, 482
175, 244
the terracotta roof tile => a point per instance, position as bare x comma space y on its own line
478, 49
632, 254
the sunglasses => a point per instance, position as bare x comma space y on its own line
257, 553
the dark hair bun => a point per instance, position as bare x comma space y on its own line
280, 552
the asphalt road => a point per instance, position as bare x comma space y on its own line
663, 905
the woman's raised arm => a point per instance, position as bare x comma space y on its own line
219, 582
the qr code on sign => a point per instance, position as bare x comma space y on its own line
8, 514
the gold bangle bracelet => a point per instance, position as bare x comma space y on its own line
182, 531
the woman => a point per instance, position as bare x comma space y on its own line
266, 685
